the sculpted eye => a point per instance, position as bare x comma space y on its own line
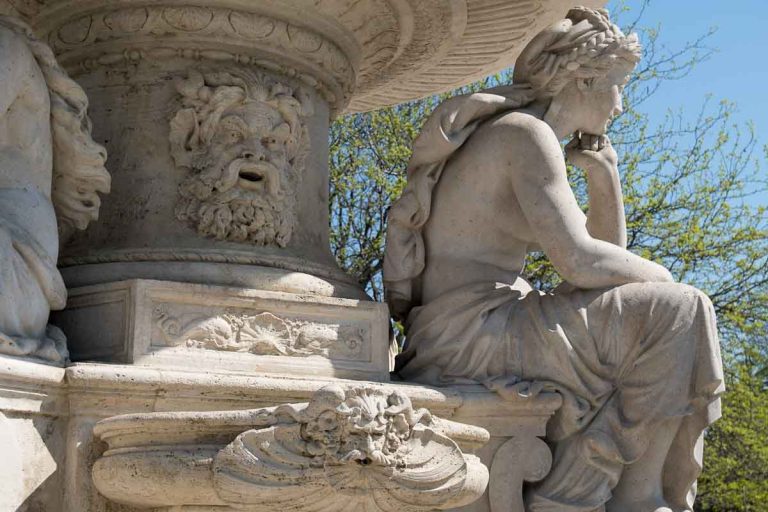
235, 136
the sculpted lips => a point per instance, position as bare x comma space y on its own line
259, 176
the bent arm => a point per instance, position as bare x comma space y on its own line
541, 186
595, 155
605, 218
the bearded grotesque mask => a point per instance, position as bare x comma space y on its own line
242, 140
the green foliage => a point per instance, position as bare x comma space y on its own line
690, 185
735, 473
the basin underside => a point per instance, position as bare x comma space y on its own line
366, 53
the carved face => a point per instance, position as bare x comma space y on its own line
256, 137
598, 101
243, 148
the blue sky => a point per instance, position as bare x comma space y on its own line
738, 71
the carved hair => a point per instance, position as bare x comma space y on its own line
585, 45
78, 161
205, 98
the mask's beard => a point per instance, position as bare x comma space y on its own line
242, 201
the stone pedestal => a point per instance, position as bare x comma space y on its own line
100, 391
167, 324
516, 452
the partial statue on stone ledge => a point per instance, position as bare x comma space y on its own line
50, 173
635, 356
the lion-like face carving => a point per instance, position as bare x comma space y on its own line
242, 140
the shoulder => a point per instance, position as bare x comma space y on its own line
523, 141
524, 126
15, 54
520, 130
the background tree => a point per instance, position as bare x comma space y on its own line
691, 185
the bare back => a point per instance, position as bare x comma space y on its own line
477, 231
25, 127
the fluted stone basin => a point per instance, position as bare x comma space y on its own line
371, 53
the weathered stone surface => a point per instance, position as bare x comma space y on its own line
635, 356
168, 218
33, 409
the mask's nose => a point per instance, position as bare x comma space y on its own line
254, 153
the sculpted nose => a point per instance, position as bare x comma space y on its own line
618, 107
250, 154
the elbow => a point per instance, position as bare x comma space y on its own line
577, 263
571, 265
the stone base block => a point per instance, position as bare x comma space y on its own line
184, 325
33, 412
516, 452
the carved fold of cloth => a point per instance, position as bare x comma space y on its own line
624, 359
30, 283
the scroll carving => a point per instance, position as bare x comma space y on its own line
260, 334
242, 140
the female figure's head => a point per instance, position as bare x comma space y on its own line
579, 65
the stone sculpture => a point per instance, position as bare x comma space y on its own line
635, 356
242, 139
361, 448
50, 170
356, 450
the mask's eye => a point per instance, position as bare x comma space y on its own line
232, 130
272, 142
234, 136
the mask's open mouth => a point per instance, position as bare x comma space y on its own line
262, 177
251, 176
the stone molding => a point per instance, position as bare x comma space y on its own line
360, 55
31, 387
355, 448
114, 35
220, 255
171, 324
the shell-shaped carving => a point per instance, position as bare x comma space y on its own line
362, 450
127, 21
188, 19
76, 31
251, 25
